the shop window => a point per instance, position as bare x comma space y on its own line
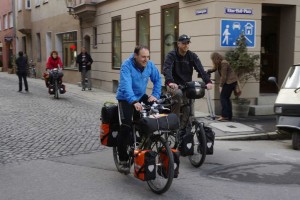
169, 16
69, 49
116, 42
143, 28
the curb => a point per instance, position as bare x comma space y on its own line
256, 136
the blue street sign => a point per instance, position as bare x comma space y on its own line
231, 29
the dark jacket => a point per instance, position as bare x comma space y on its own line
179, 69
22, 65
88, 59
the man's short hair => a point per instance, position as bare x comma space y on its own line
21, 53
138, 48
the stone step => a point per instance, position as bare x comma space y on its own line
261, 110
266, 99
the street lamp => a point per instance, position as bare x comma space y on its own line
70, 5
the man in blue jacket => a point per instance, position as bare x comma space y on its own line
134, 76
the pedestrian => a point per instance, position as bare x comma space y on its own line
134, 76
22, 67
228, 81
178, 69
85, 62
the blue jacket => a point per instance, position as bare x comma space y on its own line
133, 82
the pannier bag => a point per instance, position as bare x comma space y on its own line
195, 89
108, 135
109, 113
186, 147
210, 140
161, 122
144, 164
163, 169
110, 124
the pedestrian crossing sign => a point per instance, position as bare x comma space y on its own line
231, 29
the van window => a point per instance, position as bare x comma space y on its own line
292, 79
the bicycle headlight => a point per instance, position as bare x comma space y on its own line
278, 110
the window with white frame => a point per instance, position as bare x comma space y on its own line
5, 21
11, 20
45, 1
0, 24
20, 5
28, 5
37, 3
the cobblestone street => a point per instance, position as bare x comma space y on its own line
34, 125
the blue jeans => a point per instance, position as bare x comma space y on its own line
225, 100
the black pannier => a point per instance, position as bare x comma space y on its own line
186, 147
210, 140
195, 89
162, 122
109, 113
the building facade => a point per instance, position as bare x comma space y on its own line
44, 26
272, 28
7, 34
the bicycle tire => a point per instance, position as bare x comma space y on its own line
199, 144
161, 184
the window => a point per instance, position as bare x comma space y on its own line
69, 48
45, 1
0, 24
20, 5
95, 33
38, 47
5, 22
37, 3
169, 35
11, 20
28, 5
116, 42
143, 28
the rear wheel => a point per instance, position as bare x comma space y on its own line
117, 161
197, 159
162, 182
296, 140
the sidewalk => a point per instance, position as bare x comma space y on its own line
250, 128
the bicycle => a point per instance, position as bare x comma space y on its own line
154, 142
195, 129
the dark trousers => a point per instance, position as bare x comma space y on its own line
22, 75
225, 100
124, 136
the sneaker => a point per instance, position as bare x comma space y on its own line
123, 166
90, 88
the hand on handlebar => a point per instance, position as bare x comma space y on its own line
152, 98
173, 85
209, 86
138, 106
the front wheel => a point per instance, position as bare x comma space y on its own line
296, 140
164, 166
197, 159
56, 95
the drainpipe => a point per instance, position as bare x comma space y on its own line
14, 28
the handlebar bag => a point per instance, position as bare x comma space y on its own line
159, 122
162, 169
144, 164
195, 89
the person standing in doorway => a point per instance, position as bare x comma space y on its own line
22, 66
85, 62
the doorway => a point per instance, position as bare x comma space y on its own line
269, 47
277, 44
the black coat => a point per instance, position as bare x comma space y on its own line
22, 65
88, 59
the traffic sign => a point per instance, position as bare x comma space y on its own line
231, 29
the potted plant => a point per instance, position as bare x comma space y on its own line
246, 67
11, 64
